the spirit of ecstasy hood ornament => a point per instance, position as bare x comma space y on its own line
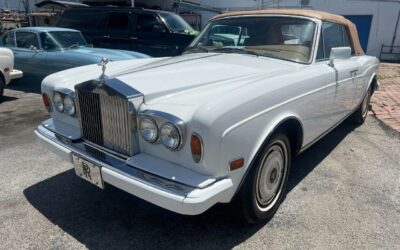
103, 64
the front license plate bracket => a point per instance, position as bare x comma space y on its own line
88, 171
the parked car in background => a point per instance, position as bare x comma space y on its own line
44, 50
153, 32
7, 71
220, 123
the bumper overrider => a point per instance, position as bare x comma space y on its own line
194, 194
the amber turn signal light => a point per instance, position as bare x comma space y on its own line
46, 102
235, 164
196, 145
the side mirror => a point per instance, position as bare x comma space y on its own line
339, 53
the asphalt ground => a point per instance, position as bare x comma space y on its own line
344, 193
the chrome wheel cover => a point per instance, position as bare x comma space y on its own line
270, 176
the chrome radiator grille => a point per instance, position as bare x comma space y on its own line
106, 122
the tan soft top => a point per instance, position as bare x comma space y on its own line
325, 16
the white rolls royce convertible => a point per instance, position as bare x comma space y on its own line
220, 123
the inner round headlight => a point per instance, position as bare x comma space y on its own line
58, 102
69, 106
148, 129
169, 135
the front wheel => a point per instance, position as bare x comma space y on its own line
265, 186
361, 113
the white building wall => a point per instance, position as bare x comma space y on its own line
384, 18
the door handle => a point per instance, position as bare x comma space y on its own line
106, 36
354, 72
133, 38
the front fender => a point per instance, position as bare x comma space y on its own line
238, 142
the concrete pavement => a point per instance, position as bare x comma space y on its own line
344, 193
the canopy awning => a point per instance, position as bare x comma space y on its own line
49, 4
191, 6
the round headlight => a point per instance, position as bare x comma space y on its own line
169, 135
148, 129
69, 105
58, 102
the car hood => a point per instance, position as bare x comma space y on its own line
111, 54
183, 79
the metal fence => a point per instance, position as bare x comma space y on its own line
390, 53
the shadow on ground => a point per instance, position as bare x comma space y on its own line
8, 99
114, 219
27, 84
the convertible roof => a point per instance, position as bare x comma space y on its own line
325, 16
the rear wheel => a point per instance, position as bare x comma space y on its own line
2, 85
361, 113
265, 186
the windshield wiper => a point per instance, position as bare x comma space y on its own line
236, 50
196, 49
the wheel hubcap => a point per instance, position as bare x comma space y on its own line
271, 175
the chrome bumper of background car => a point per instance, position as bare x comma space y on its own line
15, 74
171, 195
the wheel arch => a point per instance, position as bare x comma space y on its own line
373, 83
292, 127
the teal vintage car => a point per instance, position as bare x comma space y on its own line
41, 51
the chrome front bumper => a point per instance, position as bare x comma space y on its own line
181, 198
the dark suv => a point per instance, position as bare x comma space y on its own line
156, 33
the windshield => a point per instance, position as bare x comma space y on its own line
285, 38
59, 40
177, 24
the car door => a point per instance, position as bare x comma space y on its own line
151, 36
117, 32
28, 54
345, 70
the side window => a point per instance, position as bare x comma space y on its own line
26, 39
118, 21
149, 23
333, 37
48, 42
9, 40
347, 40
79, 19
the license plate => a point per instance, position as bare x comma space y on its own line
88, 171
